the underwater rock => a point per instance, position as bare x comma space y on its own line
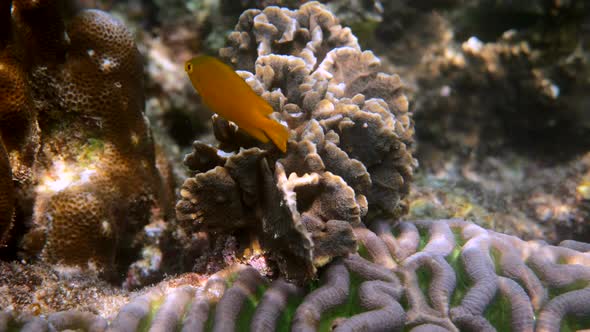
438, 275
348, 158
496, 89
491, 76
80, 149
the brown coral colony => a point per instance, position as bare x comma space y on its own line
6, 195
77, 158
348, 160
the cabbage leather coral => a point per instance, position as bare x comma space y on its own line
79, 148
348, 157
439, 275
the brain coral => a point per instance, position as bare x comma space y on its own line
79, 146
348, 158
439, 275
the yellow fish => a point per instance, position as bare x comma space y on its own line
228, 95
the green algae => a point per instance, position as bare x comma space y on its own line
91, 152
211, 317
146, 322
425, 277
230, 279
499, 312
556, 291
424, 238
454, 260
463, 280
497, 260
284, 322
363, 252
572, 324
576, 285
248, 309
13, 326
348, 309
185, 311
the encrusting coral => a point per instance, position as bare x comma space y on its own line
79, 146
348, 158
440, 275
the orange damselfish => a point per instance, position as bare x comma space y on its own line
228, 95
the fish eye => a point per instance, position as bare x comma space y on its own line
188, 67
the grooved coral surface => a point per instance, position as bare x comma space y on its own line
79, 147
438, 275
348, 158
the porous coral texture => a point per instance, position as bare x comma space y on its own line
6, 195
348, 158
438, 275
80, 149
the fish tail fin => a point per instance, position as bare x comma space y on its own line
257, 133
277, 133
